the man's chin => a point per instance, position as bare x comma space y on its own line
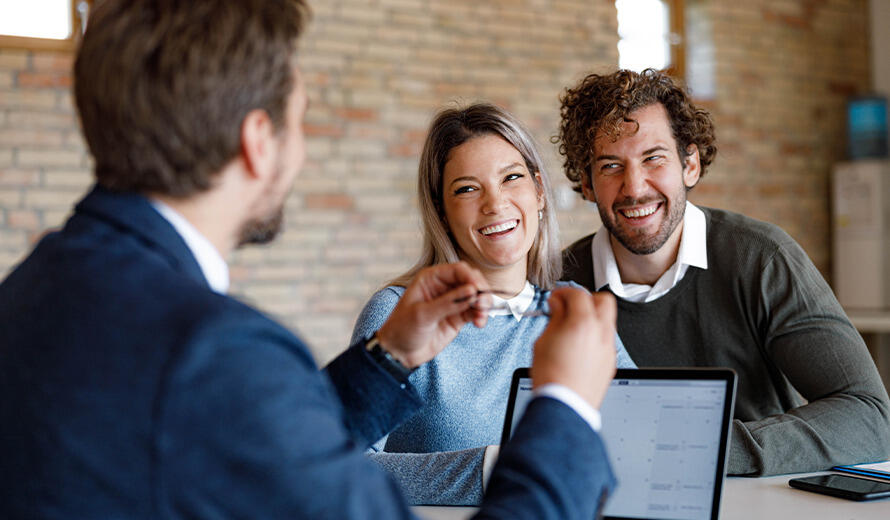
637, 241
642, 245
257, 232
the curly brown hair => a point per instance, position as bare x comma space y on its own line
601, 103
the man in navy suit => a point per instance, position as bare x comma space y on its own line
131, 386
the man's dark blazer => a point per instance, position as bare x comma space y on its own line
129, 389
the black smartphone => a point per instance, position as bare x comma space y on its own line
843, 486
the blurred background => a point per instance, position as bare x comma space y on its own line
778, 77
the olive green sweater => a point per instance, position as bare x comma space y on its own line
762, 309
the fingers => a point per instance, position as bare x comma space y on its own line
456, 301
457, 274
452, 290
475, 315
568, 303
577, 348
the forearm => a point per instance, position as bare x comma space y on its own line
374, 402
554, 467
846, 419
442, 478
841, 429
811, 343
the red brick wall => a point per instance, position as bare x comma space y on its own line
784, 71
378, 69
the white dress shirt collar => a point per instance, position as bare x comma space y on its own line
516, 305
693, 252
212, 264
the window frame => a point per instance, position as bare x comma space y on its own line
49, 44
677, 38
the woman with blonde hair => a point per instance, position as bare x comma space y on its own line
485, 199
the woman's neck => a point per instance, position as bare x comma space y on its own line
510, 281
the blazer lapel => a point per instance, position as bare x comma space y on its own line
133, 213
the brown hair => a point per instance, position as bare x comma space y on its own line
601, 103
162, 86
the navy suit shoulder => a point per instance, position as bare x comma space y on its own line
129, 388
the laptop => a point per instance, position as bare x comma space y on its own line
666, 432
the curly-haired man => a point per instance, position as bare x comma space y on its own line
706, 287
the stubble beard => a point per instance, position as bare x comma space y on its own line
636, 241
258, 231
262, 231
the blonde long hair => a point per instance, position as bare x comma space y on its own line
450, 128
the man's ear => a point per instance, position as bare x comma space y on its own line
691, 166
258, 144
587, 188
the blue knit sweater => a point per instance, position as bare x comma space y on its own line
437, 454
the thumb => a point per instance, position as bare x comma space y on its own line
605, 306
557, 305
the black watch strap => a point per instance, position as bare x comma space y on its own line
386, 360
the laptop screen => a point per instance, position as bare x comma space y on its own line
666, 433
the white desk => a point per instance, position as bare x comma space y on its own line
749, 498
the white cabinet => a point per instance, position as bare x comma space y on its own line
861, 234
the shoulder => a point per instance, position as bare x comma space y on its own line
578, 247
738, 234
388, 296
218, 320
376, 311
384, 300
577, 262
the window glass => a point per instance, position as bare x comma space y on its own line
49, 19
644, 34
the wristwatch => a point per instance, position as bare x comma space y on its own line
386, 360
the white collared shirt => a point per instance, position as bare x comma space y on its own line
693, 252
515, 305
212, 264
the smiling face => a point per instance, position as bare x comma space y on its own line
640, 183
490, 202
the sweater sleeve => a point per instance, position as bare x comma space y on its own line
376, 312
811, 342
440, 478
451, 478
373, 316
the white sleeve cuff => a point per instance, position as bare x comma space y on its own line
488, 460
574, 401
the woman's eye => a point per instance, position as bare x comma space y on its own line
513, 176
464, 189
609, 167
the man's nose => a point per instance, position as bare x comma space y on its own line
636, 183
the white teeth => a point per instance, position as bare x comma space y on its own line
636, 213
499, 227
